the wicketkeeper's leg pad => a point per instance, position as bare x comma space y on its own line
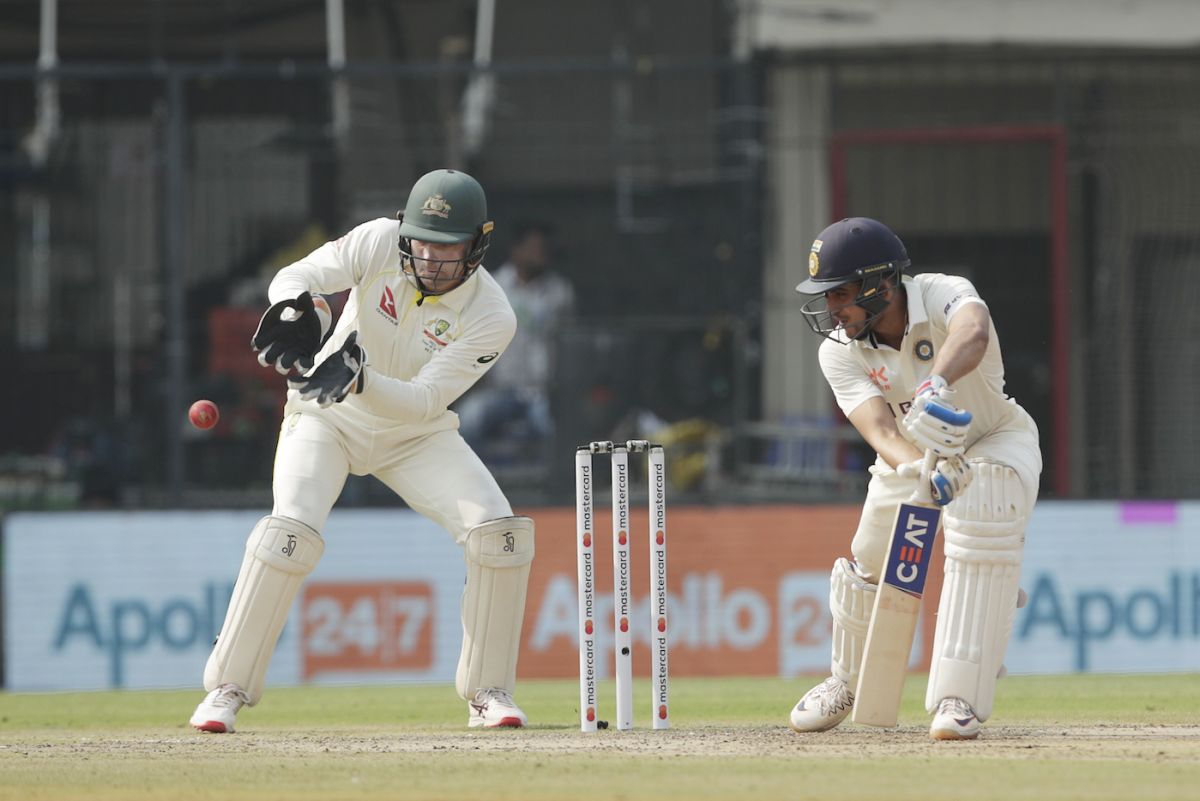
985, 535
498, 555
279, 554
851, 600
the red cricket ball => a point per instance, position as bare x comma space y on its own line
204, 414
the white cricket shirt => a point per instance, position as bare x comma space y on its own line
864, 369
423, 351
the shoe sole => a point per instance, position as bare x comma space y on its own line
508, 723
212, 726
825, 727
951, 734
793, 727
505, 723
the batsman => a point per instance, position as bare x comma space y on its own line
422, 323
904, 355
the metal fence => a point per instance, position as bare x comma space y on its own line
137, 235
145, 226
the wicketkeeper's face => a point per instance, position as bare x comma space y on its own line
440, 267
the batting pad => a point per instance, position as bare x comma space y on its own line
498, 555
279, 554
851, 600
985, 534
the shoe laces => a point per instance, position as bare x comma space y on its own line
832, 696
230, 696
495, 694
956, 708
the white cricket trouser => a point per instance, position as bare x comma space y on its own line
1016, 448
436, 474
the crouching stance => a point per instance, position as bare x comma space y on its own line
421, 303
897, 347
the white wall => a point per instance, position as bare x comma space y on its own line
815, 24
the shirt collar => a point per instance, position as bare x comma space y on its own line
456, 298
916, 303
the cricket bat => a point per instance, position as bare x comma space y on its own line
897, 605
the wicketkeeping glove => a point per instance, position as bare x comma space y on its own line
950, 477
290, 334
336, 377
933, 422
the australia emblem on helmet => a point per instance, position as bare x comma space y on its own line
436, 205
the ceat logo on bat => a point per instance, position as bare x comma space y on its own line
912, 548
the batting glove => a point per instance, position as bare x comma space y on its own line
933, 422
949, 479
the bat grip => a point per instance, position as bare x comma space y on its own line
924, 491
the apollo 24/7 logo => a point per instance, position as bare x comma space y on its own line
911, 550
364, 627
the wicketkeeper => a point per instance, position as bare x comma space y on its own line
433, 321
895, 347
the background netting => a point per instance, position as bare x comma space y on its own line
653, 180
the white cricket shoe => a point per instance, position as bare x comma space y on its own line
954, 720
493, 708
823, 707
217, 711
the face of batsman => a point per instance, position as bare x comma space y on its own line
444, 231
853, 265
844, 308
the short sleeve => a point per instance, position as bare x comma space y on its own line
944, 295
851, 385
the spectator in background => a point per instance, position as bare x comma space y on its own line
512, 402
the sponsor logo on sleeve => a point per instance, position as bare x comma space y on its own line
954, 301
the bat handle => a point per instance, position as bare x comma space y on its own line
924, 488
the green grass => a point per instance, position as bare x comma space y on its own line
1085, 737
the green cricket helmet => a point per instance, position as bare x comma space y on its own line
445, 207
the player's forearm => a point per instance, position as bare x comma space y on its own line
874, 421
895, 449
964, 347
400, 400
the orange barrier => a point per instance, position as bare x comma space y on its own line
748, 590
